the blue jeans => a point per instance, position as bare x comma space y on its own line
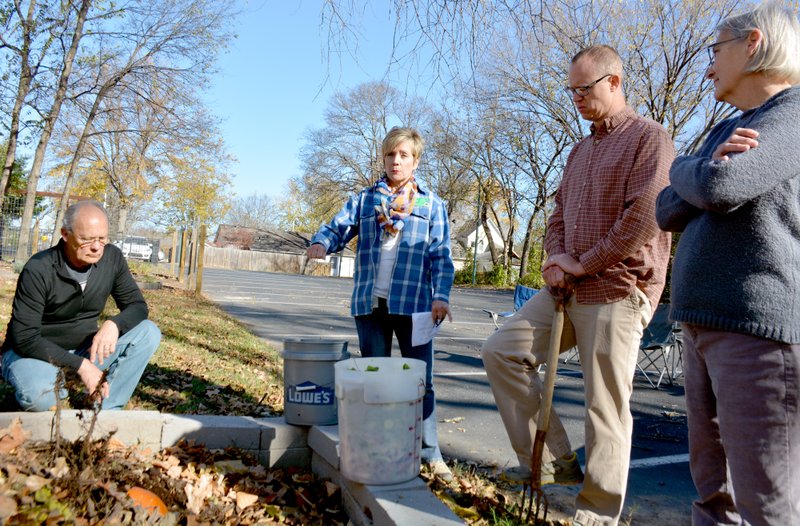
375, 341
34, 380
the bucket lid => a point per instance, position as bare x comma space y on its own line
314, 349
382, 380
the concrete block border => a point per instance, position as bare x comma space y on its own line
272, 440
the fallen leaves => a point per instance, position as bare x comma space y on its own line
8, 508
245, 500
477, 500
42, 483
12, 437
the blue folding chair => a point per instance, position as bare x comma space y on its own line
521, 295
661, 349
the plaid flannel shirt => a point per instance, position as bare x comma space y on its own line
424, 269
605, 209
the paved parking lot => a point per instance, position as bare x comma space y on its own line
281, 306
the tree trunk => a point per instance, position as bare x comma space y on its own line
487, 230
76, 156
25, 79
122, 222
526, 247
23, 249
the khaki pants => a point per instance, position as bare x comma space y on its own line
607, 336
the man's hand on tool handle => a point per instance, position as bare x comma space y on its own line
557, 267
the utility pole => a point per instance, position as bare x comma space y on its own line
475, 245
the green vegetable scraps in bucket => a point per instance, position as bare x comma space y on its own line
371, 368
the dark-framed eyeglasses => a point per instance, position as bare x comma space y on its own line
582, 91
85, 243
710, 49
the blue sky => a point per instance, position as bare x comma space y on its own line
272, 85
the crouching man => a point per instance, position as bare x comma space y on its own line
60, 295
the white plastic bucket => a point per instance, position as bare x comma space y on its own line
380, 418
308, 379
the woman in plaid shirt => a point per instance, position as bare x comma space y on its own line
403, 265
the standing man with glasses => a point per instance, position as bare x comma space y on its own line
60, 295
602, 232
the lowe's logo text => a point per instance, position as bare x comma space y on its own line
309, 393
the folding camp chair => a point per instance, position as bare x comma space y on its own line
521, 295
661, 352
676, 367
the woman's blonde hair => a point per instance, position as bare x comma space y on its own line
399, 134
778, 55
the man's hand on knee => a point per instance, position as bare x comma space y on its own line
104, 342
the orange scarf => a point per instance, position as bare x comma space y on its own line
392, 208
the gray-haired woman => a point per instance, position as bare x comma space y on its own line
736, 277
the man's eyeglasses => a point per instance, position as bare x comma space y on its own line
84, 243
582, 91
711, 51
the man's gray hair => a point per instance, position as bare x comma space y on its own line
778, 55
72, 211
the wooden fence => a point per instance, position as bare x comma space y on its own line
235, 259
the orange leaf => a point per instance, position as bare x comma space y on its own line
147, 500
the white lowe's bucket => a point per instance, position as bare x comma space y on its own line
380, 418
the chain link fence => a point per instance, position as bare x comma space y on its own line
41, 230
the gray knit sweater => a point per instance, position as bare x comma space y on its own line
737, 266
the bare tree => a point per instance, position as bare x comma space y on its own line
49, 121
28, 35
169, 50
345, 156
253, 211
447, 166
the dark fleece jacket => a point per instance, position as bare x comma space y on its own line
52, 315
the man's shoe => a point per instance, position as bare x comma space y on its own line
439, 469
565, 471
516, 475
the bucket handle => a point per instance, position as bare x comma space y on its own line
355, 363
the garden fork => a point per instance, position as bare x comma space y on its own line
538, 500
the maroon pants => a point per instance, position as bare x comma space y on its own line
744, 428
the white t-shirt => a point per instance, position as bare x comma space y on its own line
383, 279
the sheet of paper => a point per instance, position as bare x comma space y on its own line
423, 329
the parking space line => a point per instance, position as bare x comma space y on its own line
659, 461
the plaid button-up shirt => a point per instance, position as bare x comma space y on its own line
424, 269
604, 213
